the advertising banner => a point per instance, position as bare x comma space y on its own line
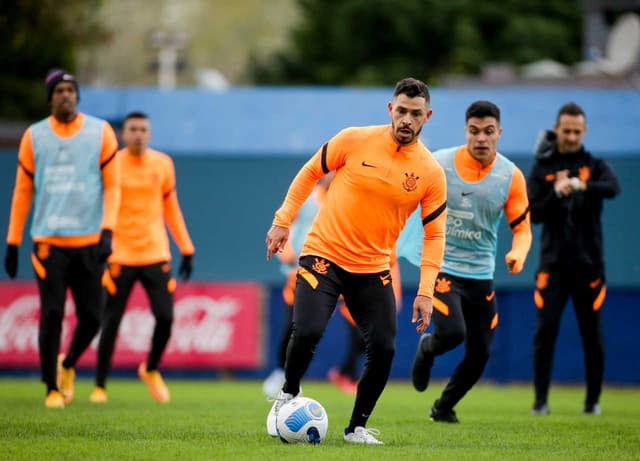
216, 325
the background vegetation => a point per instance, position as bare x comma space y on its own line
280, 42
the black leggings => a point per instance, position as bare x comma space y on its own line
56, 270
373, 307
587, 290
464, 310
159, 285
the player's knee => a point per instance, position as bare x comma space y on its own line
453, 338
165, 319
307, 336
480, 357
382, 349
51, 317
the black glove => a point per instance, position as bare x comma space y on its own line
186, 267
104, 245
11, 261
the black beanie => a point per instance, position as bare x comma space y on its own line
56, 76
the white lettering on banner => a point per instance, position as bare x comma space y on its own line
19, 324
211, 332
201, 324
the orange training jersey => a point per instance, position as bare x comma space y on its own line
378, 184
148, 200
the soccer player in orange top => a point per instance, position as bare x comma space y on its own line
482, 185
66, 168
141, 251
382, 174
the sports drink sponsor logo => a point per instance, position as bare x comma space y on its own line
215, 325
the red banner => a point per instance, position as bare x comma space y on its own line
216, 325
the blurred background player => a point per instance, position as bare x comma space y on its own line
482, 185
141, 251
567, 186
66, 167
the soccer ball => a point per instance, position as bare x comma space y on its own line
302, 420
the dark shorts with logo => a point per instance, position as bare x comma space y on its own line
370, 298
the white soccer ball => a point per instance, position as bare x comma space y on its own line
302, 420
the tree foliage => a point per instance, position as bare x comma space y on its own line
373, 42
36, 36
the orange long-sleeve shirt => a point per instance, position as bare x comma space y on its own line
378, 184
24, 187
148, 201
516, 207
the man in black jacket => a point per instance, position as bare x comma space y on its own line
566, 188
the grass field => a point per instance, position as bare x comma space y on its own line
210, 420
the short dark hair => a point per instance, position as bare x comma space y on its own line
482, 109
413, 88
135, 114
570, 108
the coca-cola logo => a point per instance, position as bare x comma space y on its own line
201, 324
19, 324
215, 324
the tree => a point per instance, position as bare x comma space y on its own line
36, 36
374, 42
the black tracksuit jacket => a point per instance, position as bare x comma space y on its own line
572, 229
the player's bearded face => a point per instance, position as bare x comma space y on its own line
408, 115
64, 99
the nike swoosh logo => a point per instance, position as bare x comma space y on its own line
368, 164
490, 296
594, 284
464, 194
385, 279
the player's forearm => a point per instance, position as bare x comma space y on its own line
20, 206
176, 224
111, 197
300, 189
521, 242
432, 254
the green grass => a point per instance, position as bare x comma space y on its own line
210, 420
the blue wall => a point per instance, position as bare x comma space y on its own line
228, 203
236, 153
296, 121
512, 351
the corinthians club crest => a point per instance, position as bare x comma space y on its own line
410, 182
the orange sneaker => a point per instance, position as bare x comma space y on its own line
349, 387
65, 378
158, 389
98, 395
343, 382
54, 400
